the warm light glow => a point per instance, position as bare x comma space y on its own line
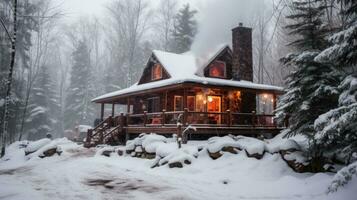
204, 101
272, 100
265, 96
230, 95
210, 99
199, 97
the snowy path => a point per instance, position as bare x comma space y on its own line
79, 174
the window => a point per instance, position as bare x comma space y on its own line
153, 105
217, 69
156, 72
265, 104
178, 103
191, 103
200, 103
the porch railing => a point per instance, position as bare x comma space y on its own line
228, 118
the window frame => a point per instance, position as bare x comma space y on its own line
178, 96
224, 69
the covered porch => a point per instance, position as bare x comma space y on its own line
202, 105
211, 109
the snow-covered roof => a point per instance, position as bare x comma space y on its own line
187, 67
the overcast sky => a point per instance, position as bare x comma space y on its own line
216, 18
77, 8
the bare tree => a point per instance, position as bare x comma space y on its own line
165, 21
12, 39
129, 19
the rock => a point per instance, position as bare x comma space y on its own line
230, 150
107, 153
187, 162
50, 152
150, 155
120, 152
175, 165
215, 155
255, 155
296, 161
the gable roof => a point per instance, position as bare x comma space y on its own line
187, 67
177, 65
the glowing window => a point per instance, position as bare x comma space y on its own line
178, 103
156, 72
217, 69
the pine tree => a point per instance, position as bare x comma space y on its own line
337, 128
185, 29
312, 86
40, 121
79, 108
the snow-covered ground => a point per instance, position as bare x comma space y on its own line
80, 173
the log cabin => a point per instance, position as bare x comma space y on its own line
214, 92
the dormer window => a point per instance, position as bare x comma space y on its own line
156, 72
217, 69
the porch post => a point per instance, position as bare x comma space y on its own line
184, 98
113, 107
165, 104
274, 108
102, 112
128, 106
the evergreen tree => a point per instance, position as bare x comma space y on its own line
40, 120
312, 86
337, 129
185, 29
79, 108
343, 49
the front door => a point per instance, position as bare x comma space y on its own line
214, 105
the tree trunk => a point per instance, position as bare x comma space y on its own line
9, 82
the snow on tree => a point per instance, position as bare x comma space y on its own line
312, 86
185, 29
79, 108
337, 129
342, 177
343, 51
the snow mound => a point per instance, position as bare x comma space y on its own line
251, 145
216, 144
163, 150
169, 153
36, 145
282, 145
145, 142
46, 150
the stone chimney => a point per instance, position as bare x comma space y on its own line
242, 53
